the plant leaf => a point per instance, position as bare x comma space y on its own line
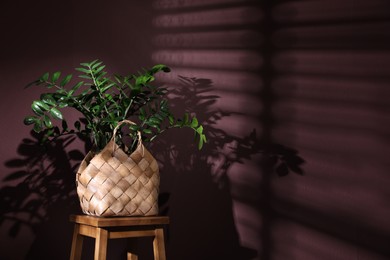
95, 64
107, 87
199, 130
147, 131
48, 99
42, 105
86, 71
85, 76
171, 119
29, 120
55, 113
37, 126
44, 77
47, 121
160, 67
76, 87
99, 69
55, 76
194, 122
66, 80
200, 144
36, 109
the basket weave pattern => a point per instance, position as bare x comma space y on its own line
113, 183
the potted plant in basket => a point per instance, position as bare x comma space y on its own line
117, 177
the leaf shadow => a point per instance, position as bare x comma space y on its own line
198, 180
39, 194
196, 95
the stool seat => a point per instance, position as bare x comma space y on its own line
104, 228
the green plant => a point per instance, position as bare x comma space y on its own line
104, 101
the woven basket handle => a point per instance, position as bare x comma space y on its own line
126, 122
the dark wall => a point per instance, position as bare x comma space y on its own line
294, 98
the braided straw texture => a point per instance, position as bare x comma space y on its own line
113, 183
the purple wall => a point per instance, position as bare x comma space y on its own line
275, 84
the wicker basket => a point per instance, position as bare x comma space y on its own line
113, 183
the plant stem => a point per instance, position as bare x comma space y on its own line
96, 83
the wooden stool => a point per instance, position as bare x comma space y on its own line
103, 229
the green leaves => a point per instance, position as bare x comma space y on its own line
103, 101
39, 107
66, 80
42, 109
143, 79
47, 121
190, 122
45, 77
55, 76
85, 71
159, 67
202, 137
29, 120
55, 113
48, 99
194, 122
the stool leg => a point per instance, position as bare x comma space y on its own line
101, 244
131, 256
158, 245
77, 244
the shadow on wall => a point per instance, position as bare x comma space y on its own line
201, 205
223, 49
41, 193
43, 196
327, 64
